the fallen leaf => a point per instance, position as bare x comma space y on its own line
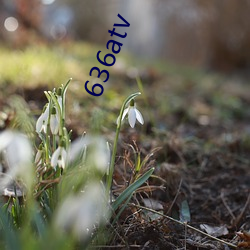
245, 236
153, 204
215, 231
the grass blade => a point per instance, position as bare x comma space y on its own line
128, 191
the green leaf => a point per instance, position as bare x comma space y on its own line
122, 209
185, 212
129, 190
138, 163
39, 222
10, 236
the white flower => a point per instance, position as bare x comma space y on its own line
79, 214
39, 155
59, 157
133, 114
54, 121
59, 99
42, 122
98, 152
17, 152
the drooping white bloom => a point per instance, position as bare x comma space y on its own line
59, 157
133, 114
42, 122
98, 152
77, 149
59, 99
39, 154
54, 124
79, 214
17, 152
54, 121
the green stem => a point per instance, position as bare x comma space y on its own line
47, 140
59, 111
65, 87
54, 142
112, 164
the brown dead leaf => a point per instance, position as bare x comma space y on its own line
245, 236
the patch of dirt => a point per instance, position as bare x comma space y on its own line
216, 187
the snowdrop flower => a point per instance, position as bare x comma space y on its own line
54, 121
17, 152
39, 154
98, 152
42, 122
59, 157
59, 97
77, 150
133, 114
79, 214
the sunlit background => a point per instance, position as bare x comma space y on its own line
212, 34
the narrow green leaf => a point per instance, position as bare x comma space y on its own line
129, 190
65, 87
10, 236
39, 222
122, 209
138, 163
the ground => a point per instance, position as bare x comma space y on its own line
197, 124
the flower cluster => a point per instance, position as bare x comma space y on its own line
83, 201
51, 115
50, 128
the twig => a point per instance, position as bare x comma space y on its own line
184, 224
175, 198
48, 185
116, 246
237, 220
185, 242
227, 207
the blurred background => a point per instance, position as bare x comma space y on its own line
212, 34
193, 60
188, 52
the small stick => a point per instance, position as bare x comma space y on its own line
227, 207
184, 224
239, 217
117, 246
175, 198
